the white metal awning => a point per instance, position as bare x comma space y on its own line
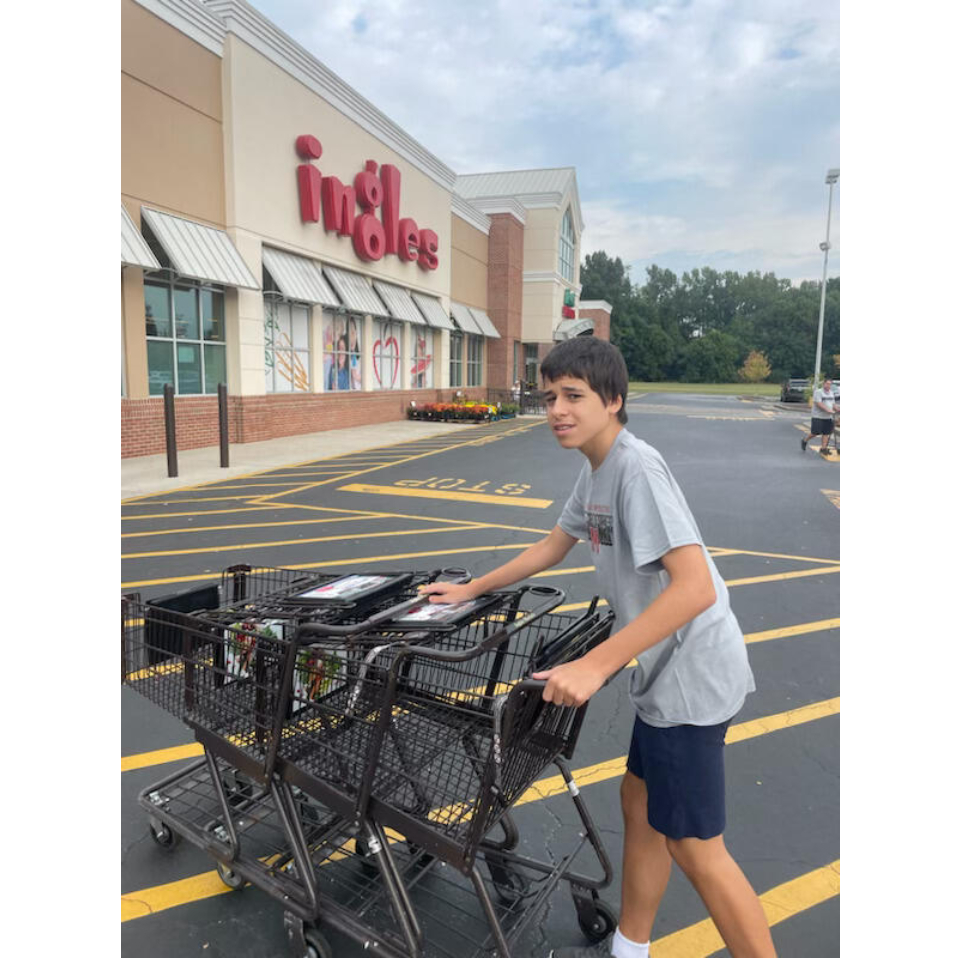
463, 317
569, 328
298, 277
434, 314
200, 252
398, 300
134, 250
355, 292
484, 321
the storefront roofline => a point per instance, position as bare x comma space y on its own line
254, 29
193, 19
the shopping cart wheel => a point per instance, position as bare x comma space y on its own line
601, 924
164, 836
510, 885
229, 877
316, 945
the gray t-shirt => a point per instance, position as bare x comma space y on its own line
632, 512
827, 397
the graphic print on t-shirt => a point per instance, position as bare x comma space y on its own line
600, 525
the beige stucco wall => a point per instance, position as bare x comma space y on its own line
171, 140
266, 111
171, 135
544, 294
468, 264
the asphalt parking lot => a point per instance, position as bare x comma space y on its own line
475, 497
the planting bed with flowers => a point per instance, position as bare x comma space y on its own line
463, 411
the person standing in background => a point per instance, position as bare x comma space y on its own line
823, 408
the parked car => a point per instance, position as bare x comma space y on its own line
792, 390
836, 388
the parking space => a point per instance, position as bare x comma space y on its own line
474, 498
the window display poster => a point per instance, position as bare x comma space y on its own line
342, 341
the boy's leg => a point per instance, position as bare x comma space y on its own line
647, 863
726, 893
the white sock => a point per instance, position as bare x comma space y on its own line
622, 947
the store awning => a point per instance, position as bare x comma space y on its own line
355, 292
433, 312
463, 317
398, 300
484, 321
298, 277
134, 250
569, 328
199, 252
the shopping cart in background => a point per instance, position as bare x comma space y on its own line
395, 724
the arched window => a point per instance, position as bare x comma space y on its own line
565, 264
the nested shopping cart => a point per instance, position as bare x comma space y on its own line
413, 725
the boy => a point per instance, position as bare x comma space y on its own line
673, 615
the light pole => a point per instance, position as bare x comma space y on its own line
833, 176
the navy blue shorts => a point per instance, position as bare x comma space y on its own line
683, 769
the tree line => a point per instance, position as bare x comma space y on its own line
710, 326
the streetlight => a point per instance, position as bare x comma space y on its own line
833, 176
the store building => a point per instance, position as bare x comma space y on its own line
281, 235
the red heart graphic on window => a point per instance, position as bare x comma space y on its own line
388, 350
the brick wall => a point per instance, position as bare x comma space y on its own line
602, 321
505, 295
255, 418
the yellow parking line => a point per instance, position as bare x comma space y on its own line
240, 525
521, 501
364, 560
779, 903
161, 756
297, 542
804, 629
148, 901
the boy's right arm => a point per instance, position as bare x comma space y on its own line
542, 555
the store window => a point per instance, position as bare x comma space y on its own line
565, 263
185, 336
342, 345
456, 359
475, 360
530, 363
286, 346
422, 365
517, 362
386, 352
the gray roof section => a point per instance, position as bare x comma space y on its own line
298, 277
399, 302
134, 250
355, 292
477, 185
433, 312
464, 319
484, 321
199, 252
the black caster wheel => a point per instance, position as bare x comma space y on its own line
164, 836
510, 886
229, 877
316, 945
602, 924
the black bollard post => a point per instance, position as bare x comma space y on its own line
224, 433
171, 427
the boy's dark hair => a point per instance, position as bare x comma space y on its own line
596, 361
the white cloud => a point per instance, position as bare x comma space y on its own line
735, 100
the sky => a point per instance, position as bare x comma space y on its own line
700, 130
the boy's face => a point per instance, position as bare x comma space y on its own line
576, 414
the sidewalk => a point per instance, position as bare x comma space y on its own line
146, 475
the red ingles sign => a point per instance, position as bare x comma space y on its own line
373, 238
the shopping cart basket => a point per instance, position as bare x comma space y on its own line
492, 736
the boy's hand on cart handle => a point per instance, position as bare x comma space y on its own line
449, 592
572, 683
